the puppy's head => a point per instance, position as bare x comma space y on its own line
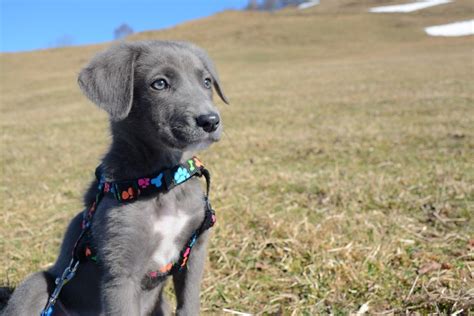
159, 90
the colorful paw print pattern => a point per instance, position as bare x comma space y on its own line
194, 163
130, 190
106, 187
181, 175
157, 181
128, 194
143, 182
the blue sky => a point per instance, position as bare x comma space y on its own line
35, 24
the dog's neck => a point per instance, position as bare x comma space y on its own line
132, 156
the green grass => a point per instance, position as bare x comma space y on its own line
345, 175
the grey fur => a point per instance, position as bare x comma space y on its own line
151, 130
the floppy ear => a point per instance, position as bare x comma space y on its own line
204, 57
108, 80
217, 83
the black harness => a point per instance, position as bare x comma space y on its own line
127, 191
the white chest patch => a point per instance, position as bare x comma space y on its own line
169, 227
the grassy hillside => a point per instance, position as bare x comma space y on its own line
345, 176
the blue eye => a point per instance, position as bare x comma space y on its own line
208, 83
160, 84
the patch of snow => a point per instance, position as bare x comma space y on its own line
409, 7
309, 4
461, 28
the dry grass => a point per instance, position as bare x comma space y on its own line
345, 177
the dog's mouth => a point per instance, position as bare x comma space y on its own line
195, 137
182, 132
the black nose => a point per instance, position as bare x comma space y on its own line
209, 122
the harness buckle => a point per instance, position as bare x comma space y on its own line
67, 275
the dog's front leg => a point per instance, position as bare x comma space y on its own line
187, 283
120, 297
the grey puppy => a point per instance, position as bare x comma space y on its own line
159, 98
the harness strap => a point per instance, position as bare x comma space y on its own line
128, 191
163, 181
